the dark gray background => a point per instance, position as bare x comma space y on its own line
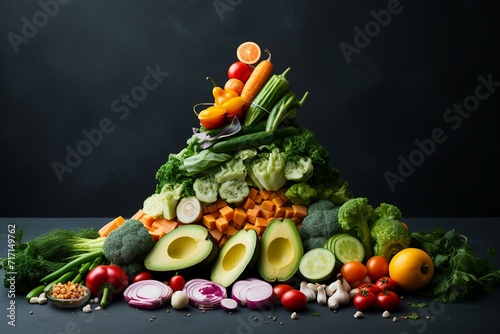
63, 79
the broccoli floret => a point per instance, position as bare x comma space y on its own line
128, 244
389, 236
301, 193
355, 217
322, 204
385, 210
320, 224
132, 269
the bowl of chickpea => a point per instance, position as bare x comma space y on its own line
68, 295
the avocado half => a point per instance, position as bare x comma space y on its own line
237, 255
280, 251
185, 247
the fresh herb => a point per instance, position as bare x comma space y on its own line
458, 273
316, 314
417, 305
411, 315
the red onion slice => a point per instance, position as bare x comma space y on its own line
147, 294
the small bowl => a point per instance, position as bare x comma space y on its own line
70, 303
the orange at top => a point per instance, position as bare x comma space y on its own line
249, 53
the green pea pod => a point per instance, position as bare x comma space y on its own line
286, 106
70, 266
270, 93
35, 292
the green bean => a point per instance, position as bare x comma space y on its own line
71, 265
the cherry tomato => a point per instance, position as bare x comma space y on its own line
177, 282
294, 300
353, 272
377, 267
364, 300
388, 300
371, 287
386, 283
142, 276
239, 70
279, 290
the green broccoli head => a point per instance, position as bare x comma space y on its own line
385, 210
127, 244
389, 236
319, 225
301, 193
322, 204
355, 216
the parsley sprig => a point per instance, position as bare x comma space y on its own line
458, 273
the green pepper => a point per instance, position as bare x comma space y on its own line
287, 105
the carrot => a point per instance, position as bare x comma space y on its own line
138, 215
111, 226
147, 220
248, 203
216, 234
252, 214
165, 223
261, 73
260, 222
280, 212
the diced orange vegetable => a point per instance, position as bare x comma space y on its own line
223, 240
266, 213
111, 226
230, 231
253, 192
277, 201
227, 212
157, 234
215, 214
216, 234
220, 203
297, 220
248, 203
138, 215
221, 224
281, 194
252, 214
267, 205
260, 222
212, 208
239, 216
147, 220
265, 194
288, 212
168, 224
258, 199
299, 210
280, 212
208, 221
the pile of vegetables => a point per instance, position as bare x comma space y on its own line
249, 161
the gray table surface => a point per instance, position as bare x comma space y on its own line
467, 317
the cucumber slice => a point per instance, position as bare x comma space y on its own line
346, 248
317, 264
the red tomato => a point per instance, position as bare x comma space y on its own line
364, 300
279, 290
388, 300
371, 287
353, 272
377, 267
294, 300
145, 275
240, 71
386, 283
177, 282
